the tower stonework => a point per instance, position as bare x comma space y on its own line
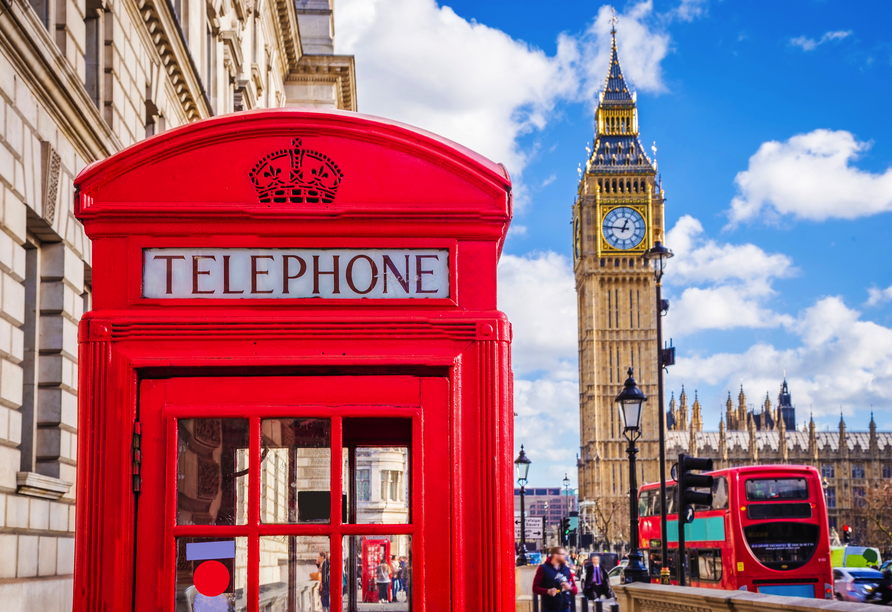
618, 214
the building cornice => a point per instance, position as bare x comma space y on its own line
337, 69
29, 47
176, 59
289, 42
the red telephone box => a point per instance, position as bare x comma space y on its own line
294, 352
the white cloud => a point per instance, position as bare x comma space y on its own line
810, 176
538, 293
878, 296
840, 360
547, 424
724, 285
641, 50
423, 64
810, 44
689, 10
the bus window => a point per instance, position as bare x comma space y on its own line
766, 489
720, 493
782, 545
670, 499
645, 503
655, 563
706, 565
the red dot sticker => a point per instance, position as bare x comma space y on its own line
211, 578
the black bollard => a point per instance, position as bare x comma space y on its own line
584, 603
614, 607
535, 602
599, 605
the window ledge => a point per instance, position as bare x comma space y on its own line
38, 485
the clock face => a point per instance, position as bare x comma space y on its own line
624, 228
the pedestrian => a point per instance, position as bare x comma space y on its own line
596, 584
404, 574
382, 579
394, 577
554, 582
325, 573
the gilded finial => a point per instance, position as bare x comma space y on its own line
613, 24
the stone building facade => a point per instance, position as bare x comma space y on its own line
852, 463
81, 80
618, 214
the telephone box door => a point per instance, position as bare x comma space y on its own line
286, 493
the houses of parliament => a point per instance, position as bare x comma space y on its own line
617, 216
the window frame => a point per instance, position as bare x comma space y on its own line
164, 402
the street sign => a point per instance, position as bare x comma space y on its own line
689, 514
535, 527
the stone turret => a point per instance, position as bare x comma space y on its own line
723, 442
874, 447
753, 447
741, 423
843, 445
812, 439
730, 415
782, 440
681, 418
670, 414
696, 416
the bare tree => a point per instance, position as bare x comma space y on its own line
876, 506
611, 519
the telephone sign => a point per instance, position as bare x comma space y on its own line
295, 374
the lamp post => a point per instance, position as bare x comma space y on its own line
630, 401
522, 466
658, 255
566, 535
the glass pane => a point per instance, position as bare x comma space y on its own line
380, 577
211, 574
212, 472
294, 573
296, 471
381, 481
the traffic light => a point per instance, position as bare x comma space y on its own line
846, 534
565, 531
688, 497
688, 481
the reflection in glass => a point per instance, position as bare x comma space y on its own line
296, 471
212, 471
378, 573
381, 482
191, 554
294, 573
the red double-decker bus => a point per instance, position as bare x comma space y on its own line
766, 531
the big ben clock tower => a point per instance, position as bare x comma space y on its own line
617, 216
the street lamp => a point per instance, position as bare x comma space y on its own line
658, 255
522, 466
630, 401
566, 482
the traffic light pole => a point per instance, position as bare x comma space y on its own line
681, 566
523, 533
664, 530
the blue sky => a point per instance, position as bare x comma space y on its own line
775, 148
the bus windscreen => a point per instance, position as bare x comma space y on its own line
782, 545
770, 489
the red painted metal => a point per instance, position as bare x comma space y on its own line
443, 363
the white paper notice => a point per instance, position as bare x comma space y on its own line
295, 273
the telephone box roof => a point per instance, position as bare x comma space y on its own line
358, 166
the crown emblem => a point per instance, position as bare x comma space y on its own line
296, 176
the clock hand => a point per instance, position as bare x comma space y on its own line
625, 223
